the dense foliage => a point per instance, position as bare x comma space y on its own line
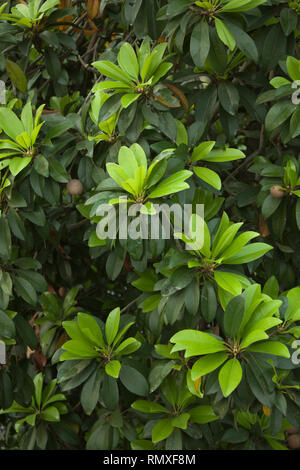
140, 343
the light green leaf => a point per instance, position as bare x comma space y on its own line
224, 34
249, 253
112, 71
129, 98
271, 347
112, 325
17, 164
148, 407
253, 337
128, 61
228, 282
230, 376
50, 414
202, 150
226, 155
197, 342
207, 364
209, 176
293, 67
172, 184
112, 368
162, 430
16, 75
10, 123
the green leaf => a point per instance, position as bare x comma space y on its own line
57, 171
230, 376
38, 385
209, 303
229, 97
162, 430
17, 164
10, 123
278, 114
148, 407
253, 336
41, 165
197, 342
295, 123
238, 244
90, 328
181, 421
76, 349
50, 414
112, 325
235, 436
207, 364
249, 253
16, 75
200, 35
182, 135
25, 290
26, 332
226, 155
228, 281
151, 303
129, 98
271, 347
5, 237
134, 381
192, 297
52, 62
224, 34
241, 5
209, 176
112, 368
112, 71
202, 414
172, 184
244, 41
202, 150
233, 316
293, 67
110, 392
7, 326
288, 20
128, 61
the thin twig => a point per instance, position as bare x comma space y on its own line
130, 304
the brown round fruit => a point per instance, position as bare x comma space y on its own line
74, 187
293, 441
292, 430
277, 192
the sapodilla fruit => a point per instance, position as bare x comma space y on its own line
293, 441
277, 192
292, 430
74, 187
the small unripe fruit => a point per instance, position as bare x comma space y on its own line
292, 430
277, 192
74, 187
293, 441
62, 291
